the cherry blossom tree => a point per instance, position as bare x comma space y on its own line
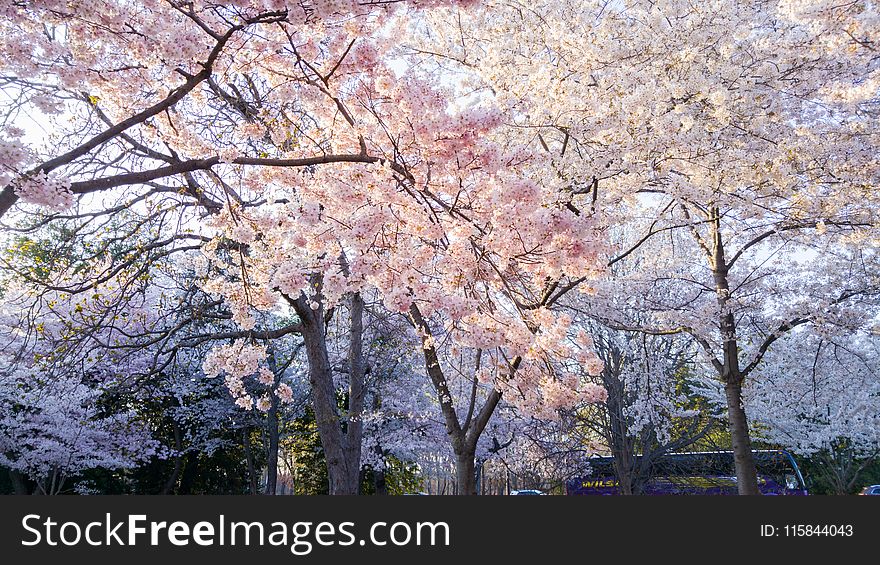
137, 89
232, 178
55, 422
325, 176
815, 391
53, 430
744, 127
652, 407
106, 318
816, 395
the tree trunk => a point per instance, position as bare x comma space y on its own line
178, 461
18, 482
465, 475
348, 482
380, 482
190, 473
730, 373
272, 456
249, 457
622, 445
272, 432
379, 479
463, 437
342, 451
354, 427
746, 474
623, 464
323, 395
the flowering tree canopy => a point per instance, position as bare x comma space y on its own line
462, 188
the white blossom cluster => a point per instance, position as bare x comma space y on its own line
49, 192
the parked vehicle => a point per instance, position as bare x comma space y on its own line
710, 472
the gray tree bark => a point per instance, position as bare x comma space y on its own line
730, 373
178, 461
249, 458
342, 447
272, 432
462, 436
